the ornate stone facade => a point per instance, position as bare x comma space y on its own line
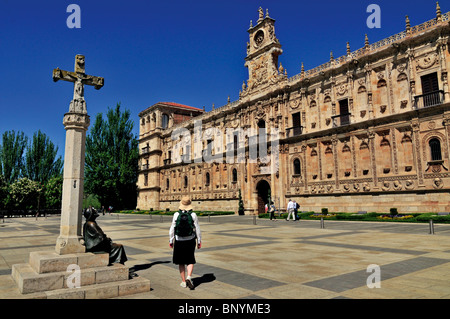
363, 132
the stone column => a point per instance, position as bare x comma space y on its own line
70, 239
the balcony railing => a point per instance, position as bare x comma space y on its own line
429, 99
145, 150
341, 120
294, 131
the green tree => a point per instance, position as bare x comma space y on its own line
241, 204
4, 193
41, 160
11, 155
25, 193
52, 193
112, 156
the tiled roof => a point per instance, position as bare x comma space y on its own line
172, 104
180, 105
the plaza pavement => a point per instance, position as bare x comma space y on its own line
241, 259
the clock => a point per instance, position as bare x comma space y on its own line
259, 38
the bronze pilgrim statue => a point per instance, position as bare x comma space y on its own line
96, 240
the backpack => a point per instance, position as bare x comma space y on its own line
185, 224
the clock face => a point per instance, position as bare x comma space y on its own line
259, 38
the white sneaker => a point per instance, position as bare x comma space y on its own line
189, 283
183, 284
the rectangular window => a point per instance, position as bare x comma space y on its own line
297, 123
430, 90
343, 111
430, 83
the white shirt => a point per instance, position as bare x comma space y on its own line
179, 238
290, 205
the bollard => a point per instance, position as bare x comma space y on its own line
431, 227
162, 218
322, 224
254, 220
209, 218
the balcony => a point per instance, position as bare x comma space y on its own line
341, 120
294, 131
145, 150
429, 99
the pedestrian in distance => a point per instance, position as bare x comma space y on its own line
290, 210
272, 211
184, 236
296, 207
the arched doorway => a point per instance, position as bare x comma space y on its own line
263, 189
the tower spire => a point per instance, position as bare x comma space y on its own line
438, 13
408, 25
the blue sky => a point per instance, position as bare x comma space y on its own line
189, 52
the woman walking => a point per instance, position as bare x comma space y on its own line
184, 235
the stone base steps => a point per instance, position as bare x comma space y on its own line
79, 276
97, 291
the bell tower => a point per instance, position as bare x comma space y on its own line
263, 50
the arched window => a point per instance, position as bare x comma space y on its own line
235, 177
165, 121
435, 148
185, 182
207, 179
297, 170
167, 183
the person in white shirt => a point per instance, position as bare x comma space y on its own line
290, 210
184, 246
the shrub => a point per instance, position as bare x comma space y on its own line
324, 211
394, 211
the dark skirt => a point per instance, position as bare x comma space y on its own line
183, 252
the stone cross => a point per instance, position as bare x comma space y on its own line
76, 123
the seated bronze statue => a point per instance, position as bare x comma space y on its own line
96, 240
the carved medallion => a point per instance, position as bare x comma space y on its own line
426, 62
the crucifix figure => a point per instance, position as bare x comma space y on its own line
76, 123
79, 78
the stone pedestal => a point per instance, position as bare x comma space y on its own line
70, 240
51, 275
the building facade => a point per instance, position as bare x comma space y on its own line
367, 131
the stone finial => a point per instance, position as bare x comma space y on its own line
261, 14
303, 70
408, 25
348, 48
213, 106
331, 56
366, 42
438, 13
267, 13
251, 23
281, 69
228, 99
